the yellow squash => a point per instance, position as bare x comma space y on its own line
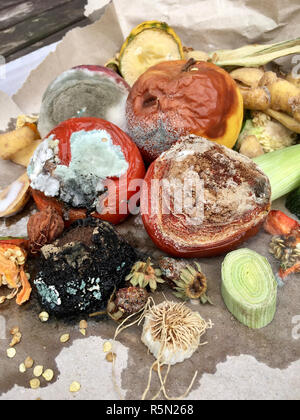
148, 44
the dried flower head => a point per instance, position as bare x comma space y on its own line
143, 274
43, 228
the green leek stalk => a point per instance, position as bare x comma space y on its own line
255, 55
283, 169
249, 288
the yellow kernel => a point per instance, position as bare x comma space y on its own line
75, 387
48, 375
11, 352
38, 371
44, 316
22, 368
35, 383
107, 347
65, 338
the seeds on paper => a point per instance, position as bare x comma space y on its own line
107, 347
14, 330
11, 352
83, 331
28, 363
22, 368
48, 375
65, 338
38, 371
110, 357
44, 316
75, 387
35, 383
16, 339
83, 325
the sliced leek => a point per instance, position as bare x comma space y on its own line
249, 288
283, 169
255, 55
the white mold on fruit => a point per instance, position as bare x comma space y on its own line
85, 91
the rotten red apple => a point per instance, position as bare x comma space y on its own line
176, 98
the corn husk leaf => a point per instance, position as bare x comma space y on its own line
255, 55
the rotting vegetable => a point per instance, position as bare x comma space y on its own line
12, 273
148, 44
78, 273
270, 134
237, 199
86, 166
249, 288
176, 98
282, 168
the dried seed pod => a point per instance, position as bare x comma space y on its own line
188, 280
43, 228
126, 302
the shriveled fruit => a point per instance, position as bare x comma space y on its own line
212, 199
176, 98
84, 91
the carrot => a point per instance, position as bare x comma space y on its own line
278, 223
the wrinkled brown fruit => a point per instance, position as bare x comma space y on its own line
43, 228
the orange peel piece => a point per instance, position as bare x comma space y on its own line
26, 290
